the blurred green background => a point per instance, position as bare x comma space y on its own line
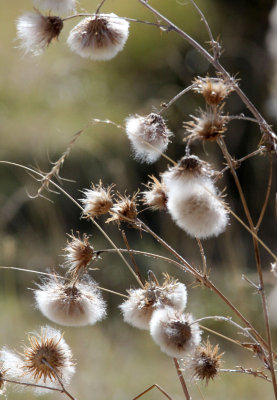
45, 100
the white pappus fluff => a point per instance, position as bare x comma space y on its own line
56, 6
47, 345
149, 136
194, 204
100, 37
137, 310
175, 333
36, 31
71, 305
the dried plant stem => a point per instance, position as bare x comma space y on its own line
249, 371
204, 262
181, 379
222, 336
228, 158
175, 98
81, 208
152, 387
214, 61
205, 281
266, 196
31, 385
63, 389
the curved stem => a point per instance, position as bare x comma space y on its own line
181, 379
266, 196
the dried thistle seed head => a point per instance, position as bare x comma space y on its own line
37, 31
175, 333
47, 357
208, 126
155, 196
214, 90
78, 254
124, 210
97, 200
100, 37
149, 136
56, 6
206, 362
137, 310
193, 200
70, 304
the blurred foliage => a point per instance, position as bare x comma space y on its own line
45, 100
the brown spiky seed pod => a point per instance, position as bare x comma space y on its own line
206, 362
155, 196
97, 200
214, 90
125, 209
209, 125
78, 254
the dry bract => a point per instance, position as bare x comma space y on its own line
149, 136
214, 90
70, 304
100, 37
37, 31
137, 310
205, 362
56, 6
78, 254
208, 126
155, 197
97, 200
124, 210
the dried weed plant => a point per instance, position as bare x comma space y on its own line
187, 190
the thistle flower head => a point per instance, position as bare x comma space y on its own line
174, 332
149, 136
100, 37
125, 209
205, 362
214, 90
137, 310
155, 196
37, 31
192, 198
78, 254
69, 304
48, 356
97, 200
56, 6
209, 125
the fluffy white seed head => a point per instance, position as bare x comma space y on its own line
100, 37
192, 199
65, 304
36, 31
149, 136
56, 6
137, 310
46, 356
174, 332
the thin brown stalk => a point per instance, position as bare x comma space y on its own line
131, 256
152, 387
63, 389
181, 379
248, 371
165, 106
228, 158
31, 385
204, 261
269, 184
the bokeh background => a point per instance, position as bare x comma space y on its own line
45, 100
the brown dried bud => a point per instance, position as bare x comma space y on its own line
124, 210
97, 201
155, 196
208, 126
206, 362
214, 90
79, 253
